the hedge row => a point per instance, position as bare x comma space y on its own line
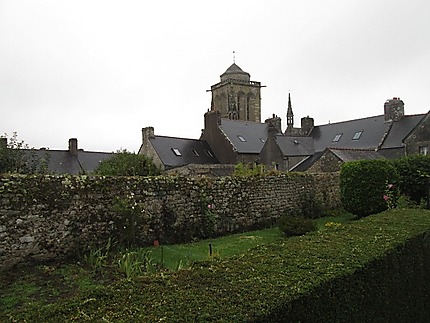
375, 269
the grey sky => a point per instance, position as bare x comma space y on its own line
101, 70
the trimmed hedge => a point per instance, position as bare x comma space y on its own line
363, 185
375, 269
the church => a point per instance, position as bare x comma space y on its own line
233, 133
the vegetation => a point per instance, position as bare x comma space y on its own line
295, 225
414, 174
125, 163
338, 273
364, 185
17, 157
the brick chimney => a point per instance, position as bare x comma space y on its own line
147, 133
394, 109
275, 121
307, 125
3, 142
73, 146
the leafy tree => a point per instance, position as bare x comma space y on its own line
14, 155
125, 163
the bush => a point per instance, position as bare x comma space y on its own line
295, 225
125, 163
413, 176
363, 186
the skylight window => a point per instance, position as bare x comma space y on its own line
195, 153
176, 152
262, 140
357, 135
337, 137
241, 138
209, 153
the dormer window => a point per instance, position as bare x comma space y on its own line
357, 135
176, 152
241, 138
337, 137
195, 153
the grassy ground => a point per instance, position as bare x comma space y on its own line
24, 289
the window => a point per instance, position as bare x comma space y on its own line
195, 153
357, 135
241, 138
209, 153
176, 152
262, 140
337, 137
424, 150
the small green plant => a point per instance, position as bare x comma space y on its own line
295, 225
134, 263
97, 259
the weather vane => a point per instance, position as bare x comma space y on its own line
234, 57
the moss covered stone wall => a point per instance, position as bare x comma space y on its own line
45, 218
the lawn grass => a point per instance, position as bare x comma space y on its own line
180, 256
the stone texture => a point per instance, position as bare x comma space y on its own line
44, 218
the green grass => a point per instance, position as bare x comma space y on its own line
175, 257
26, 289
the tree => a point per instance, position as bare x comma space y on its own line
125, 163
13, 156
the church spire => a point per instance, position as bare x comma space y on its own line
290, 115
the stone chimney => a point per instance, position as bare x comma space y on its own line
147, 133
307, 125
275, 121
394, 109
73, 146
3, 142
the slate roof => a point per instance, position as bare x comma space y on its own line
400, 129
63, 162
295, 146
234, 69
254, 134
192, 151
356, 154
373, 130
307, 162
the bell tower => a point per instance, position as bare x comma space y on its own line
236, 96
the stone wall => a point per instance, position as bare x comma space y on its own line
44, 218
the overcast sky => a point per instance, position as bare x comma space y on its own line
101, 70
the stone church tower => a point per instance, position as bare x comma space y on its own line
236, 96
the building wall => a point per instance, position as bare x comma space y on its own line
147, 149
420, 137
220, 145
328, 162
45, 218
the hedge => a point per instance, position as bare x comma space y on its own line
374, 269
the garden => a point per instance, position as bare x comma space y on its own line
368, 261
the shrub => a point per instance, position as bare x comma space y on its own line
295, 225
363, 186
125, 163
414, 172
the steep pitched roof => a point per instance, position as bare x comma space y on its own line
247, 137
356, 154
63, 162
400, 130
370, 132
295, 146
176, 152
